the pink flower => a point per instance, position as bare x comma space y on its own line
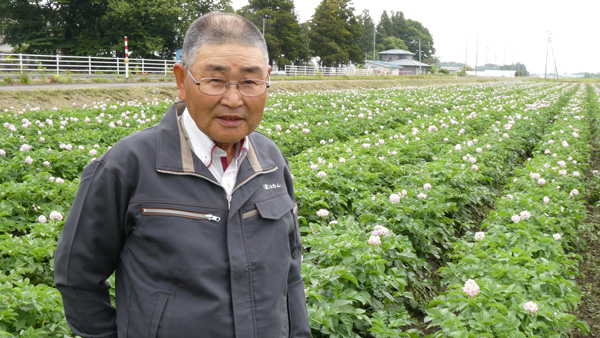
322, 213
374, 240
471, 288
56, 216
395, 198
380, 230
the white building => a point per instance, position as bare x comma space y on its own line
492, 73
398, 62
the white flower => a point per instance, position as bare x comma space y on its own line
374, 240
474, 167
574, 192
42, 219
565, 144
2, 152
305, 130
421, 196
427, 186
395, 198
561, 164
531, 307
556, 237
342, 160
479, 235
457, 147
28, 160
576, 174
25, 147
380, 231
541, 181
562, 172
534, 176
59, 180
516, 218
46, 163
56, 216
314, 166
546, 200
321, 174
322, 213
525, 215
93, 152
471, 288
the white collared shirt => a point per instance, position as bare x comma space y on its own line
213, 157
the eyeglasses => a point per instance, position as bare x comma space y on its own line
216, 86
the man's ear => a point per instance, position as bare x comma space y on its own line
180, 73
269, 69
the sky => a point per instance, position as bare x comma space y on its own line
500, 32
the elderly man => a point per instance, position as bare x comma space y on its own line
196, 215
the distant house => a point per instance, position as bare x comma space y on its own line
452, 70
4, 48
492, 73
398, 60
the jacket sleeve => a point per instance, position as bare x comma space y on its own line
299, 325
88, 252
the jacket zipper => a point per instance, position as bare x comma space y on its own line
248, 180
217, 183
187, 214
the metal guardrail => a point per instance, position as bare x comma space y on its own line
336, 71
325, 71
90, 65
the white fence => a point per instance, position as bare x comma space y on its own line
325, 71
90, 65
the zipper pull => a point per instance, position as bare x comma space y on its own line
228, 202
213, 218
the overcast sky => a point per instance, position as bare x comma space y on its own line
500, 32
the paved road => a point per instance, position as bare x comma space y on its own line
85, 85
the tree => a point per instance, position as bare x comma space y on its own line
410, 32
283, 33
366, 40
335, 33
30, 26
97, 27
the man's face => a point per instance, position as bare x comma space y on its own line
229, 117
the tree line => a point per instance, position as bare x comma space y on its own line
155, 29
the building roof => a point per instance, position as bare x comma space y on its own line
397, 52
408, 63
382, 64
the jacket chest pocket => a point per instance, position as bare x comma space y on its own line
274, 219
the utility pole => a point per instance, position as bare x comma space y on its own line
420, 71
547, 47
374, 31
466, 49
476, 54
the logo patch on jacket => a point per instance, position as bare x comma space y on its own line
271, 186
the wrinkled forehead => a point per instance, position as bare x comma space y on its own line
231, 48
230, 57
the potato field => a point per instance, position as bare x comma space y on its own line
432, 211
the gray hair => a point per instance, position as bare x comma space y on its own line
220, 28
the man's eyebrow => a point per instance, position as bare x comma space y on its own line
222, 68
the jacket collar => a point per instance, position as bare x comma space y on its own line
174, 155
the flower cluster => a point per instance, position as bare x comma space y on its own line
378, 231
479, 235
55, 216
531, 307
556, 237
323, 213
471, 288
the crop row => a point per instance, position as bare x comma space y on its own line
516, 276
386, 181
